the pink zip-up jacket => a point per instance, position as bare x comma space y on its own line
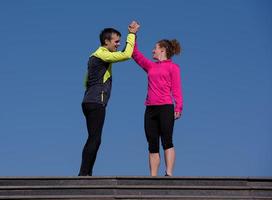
164, 82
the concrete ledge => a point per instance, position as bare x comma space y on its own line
135, 187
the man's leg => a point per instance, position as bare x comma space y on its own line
95, 116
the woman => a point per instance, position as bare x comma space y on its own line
163, 102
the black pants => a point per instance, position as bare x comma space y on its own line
159, 123
95, 116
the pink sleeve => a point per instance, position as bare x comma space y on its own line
140, 59
177, 88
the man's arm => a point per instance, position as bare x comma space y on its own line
118, 56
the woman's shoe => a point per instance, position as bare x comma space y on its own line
166, 174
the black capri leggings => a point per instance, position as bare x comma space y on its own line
159, 122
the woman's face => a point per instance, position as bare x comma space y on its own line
157, 52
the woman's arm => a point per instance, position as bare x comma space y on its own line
177, 88
140, 59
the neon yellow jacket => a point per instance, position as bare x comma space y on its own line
99, 77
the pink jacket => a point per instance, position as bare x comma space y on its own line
164, 82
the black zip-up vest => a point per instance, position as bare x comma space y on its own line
97, 91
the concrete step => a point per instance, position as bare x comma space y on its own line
135, 188
131, 197
187, 181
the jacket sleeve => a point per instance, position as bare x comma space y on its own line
140, 59
118, 56
177, 88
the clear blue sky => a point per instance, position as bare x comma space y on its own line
226, 69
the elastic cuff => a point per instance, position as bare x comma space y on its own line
153, 150
169, 146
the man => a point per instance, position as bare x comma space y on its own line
98, 89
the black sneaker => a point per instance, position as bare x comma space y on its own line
166, 174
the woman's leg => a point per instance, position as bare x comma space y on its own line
154, 163
166, 127
152, 136
170, 157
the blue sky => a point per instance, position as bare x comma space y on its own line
226, 69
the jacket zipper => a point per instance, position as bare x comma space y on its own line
102, 96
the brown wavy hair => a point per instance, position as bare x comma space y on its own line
172, 47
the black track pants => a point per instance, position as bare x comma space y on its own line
95, 116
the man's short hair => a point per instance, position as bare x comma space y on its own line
107, 33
